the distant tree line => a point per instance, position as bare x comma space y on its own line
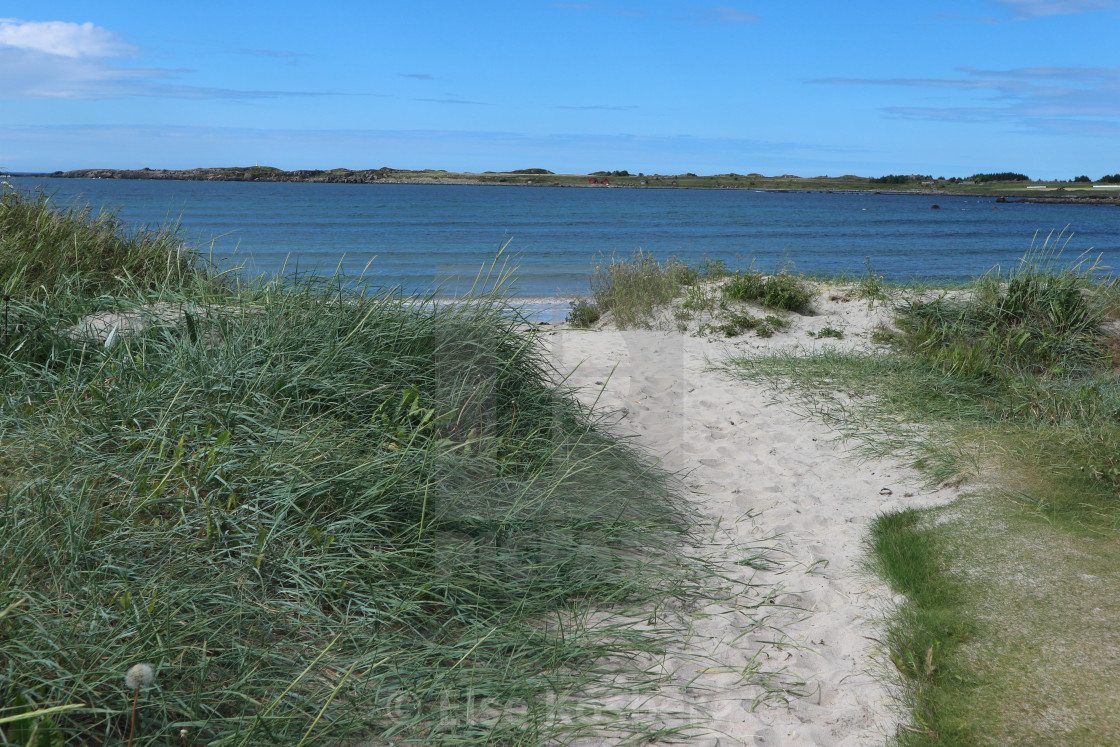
891, 179
1003, 176
1106, 179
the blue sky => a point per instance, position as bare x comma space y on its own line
806, 87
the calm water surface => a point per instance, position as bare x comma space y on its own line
420, 236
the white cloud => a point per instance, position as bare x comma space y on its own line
61, 38
59, 59
63, 60
34, 74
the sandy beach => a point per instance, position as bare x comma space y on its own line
765, 477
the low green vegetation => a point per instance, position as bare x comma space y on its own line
584, 313
871, 287
296, 513
783, 290
634, 289
826, 332
930, 627
641, 291
1005, 636
737, 323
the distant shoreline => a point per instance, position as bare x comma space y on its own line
1003, 191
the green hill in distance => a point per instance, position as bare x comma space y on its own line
1005, 184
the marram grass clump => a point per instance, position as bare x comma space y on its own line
45, 248
1042, 317
782, 290
633, 289
324, 516
641, 291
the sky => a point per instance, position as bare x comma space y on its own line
804, 87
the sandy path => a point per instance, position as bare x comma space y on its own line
760, 470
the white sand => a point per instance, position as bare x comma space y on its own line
760, 470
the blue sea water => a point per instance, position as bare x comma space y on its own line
422, 236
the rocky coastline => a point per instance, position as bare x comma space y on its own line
1113, 199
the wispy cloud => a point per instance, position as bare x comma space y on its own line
173, 91
87, 146
1015, 80
971, 19
599, 107
573, 6
719, 15
1084, 75
62, 60
947, 114
1022, 9
920, 82
1036, 98
453, 101
32, 73
417, 76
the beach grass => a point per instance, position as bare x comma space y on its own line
783, 290
320, 514
636, 291
1010, 387
43, 248
634, 288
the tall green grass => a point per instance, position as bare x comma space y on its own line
639, 289
1042, 317
633, 289
782, 290
43, 246
322, 516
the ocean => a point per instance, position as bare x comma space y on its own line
436, 237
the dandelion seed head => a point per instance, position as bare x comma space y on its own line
141, 675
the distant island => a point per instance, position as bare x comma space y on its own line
1005, 185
